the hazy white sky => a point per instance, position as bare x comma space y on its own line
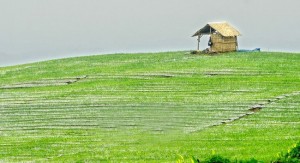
33, 30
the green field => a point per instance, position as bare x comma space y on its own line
150, 107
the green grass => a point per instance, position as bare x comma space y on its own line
149, 107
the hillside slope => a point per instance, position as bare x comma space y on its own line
150, 107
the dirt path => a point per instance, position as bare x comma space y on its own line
256, 108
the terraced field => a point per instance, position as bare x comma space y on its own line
150, 107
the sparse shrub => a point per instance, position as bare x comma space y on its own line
191, 160
180, 159
252, 160
292, 156
194, 52
294, 152
217, 159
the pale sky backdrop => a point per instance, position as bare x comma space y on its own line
35, 30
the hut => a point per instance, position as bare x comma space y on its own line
223, 37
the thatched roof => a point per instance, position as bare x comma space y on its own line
223, 28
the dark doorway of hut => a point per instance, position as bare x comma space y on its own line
203, 44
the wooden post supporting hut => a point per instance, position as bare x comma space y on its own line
223, 37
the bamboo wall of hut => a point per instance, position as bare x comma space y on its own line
223, 44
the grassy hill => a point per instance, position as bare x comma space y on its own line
150, 107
